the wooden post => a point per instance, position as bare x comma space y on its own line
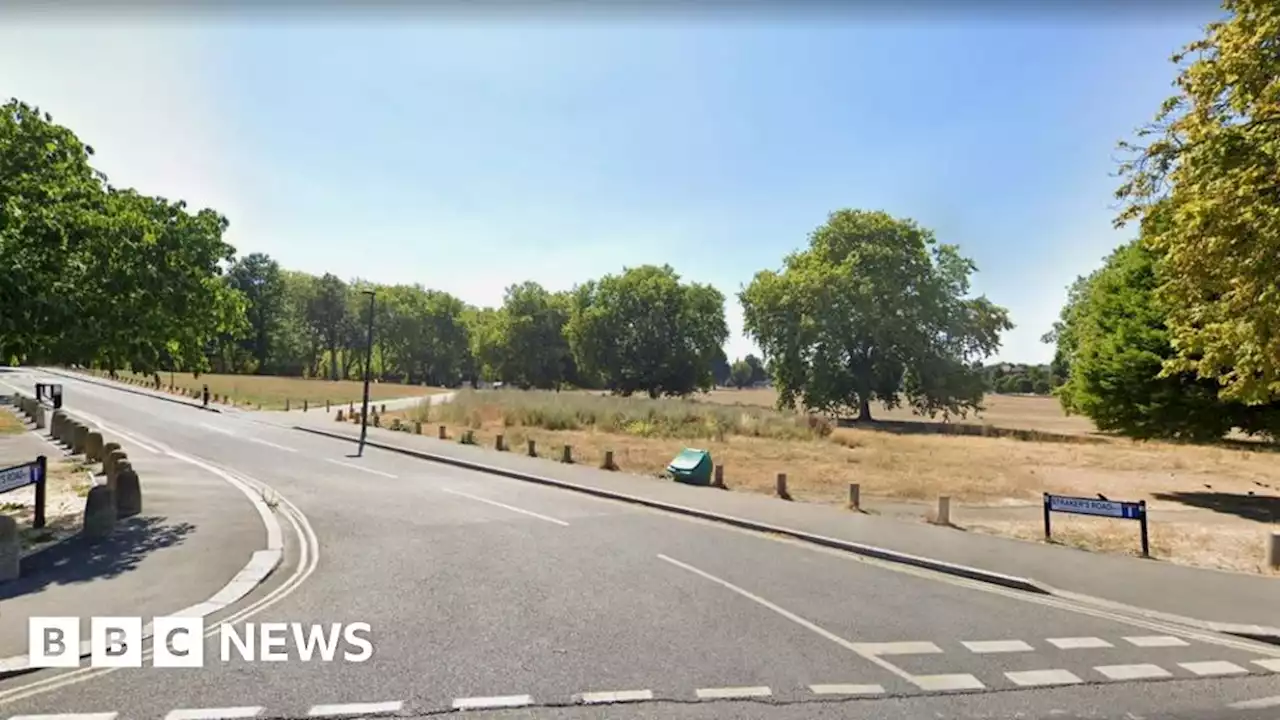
718, 478
497, 444
566, 454
304, 405
1273, 550
944, 510
533, 451
286, 404
608, 460
444, 434
855, 496
782, 487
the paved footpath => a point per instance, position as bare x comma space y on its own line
195, 535
1201, 594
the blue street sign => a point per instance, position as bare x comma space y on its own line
1098, 508
19, 476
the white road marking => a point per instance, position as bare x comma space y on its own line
1132, 672
1214, 667
68, 716
1078, 643
1028, 678
1150, 641
996, 646
354, 709
268, 443
850, 646
353, 466
484, 703
846, 689
729, 693
217, 429
227, 713
900, 648
619, 696
495, 503
1272, 664
1258, 704
943, 683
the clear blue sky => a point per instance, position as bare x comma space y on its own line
467, 155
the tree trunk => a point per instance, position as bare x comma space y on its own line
864, 409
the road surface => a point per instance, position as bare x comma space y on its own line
484, 592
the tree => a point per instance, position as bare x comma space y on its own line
1115, 340
873, 310
645, 331
525, 345
740, 373
1211, 167
720, 368
758, 374
257, 277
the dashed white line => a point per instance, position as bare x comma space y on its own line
730, 693
1152, 641
1213, 667
68, 716
495, 503
486, 703
217, 429
997, 646
1028, 678
355, 709
268, 443
944, 683
227, 713
1258, 704
846, 689
1272, 664
900, 648
353, 466
618, 696
1078, 643
1132, 672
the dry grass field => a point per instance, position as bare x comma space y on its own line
271, 392
1209, 504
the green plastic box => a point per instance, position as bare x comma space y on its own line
692, 467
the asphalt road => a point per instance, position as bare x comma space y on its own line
482, 591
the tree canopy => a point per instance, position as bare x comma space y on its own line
874, 310
1210, 164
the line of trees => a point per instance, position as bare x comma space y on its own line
1178, 334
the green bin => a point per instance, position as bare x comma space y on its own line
691, 466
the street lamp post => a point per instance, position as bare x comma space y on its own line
368, 368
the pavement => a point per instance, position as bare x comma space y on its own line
484, 592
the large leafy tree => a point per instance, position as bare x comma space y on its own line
874, 310
525, 343
645, 331
257, 277
1211, 163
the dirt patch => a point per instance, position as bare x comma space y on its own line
66, 486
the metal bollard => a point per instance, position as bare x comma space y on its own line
855, 496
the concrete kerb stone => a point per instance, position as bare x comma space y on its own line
1270, 635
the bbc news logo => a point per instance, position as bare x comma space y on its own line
178, 642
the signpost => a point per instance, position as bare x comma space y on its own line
51, 393
20, 476
1117, 509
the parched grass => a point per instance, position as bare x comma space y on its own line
66, 486
1224, 497
10, 423
271, 393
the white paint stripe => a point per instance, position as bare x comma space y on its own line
1078, 643
1027, 678
620, 696
996, 646
1259, 704
68, 716
727, 693
900, 648
227, 713
846, 689
1272, 664
943, 683
852, 647
354, 709
268, 443
1132, 672
361, 468
217, 429
1214, 667
495, 503
1150, 641
500, 701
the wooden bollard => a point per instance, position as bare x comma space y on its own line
1273, 550
417, 427
497, 444
607, 464
533, 448
326, 406
351, 407
566, 454
782, 487
444, 433
382, 408
718, 478
855, 496
286, 404
339, 416
944, 511
304, 406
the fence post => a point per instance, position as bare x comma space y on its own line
42, 468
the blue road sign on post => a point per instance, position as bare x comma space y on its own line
1097, 507
20, 476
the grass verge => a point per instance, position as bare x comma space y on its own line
10, 423
272, 393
